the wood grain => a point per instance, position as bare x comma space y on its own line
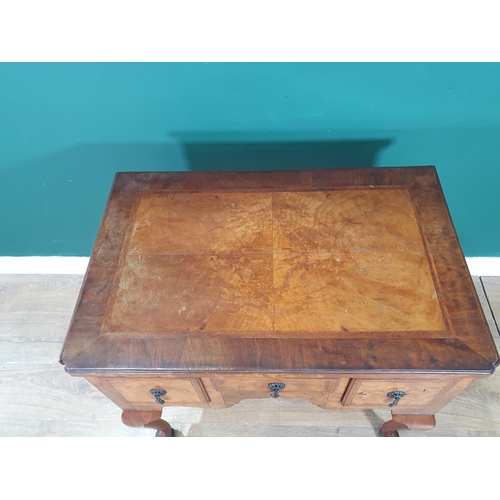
317, 390
374, 393
26, 352
205, 271
34, 391
35, 312
194, 292
261, 382
38, 294
38, 399
349, 220
137, 390
453, 280
480, 285
491, 285
334, 356
36, 307
371, 292
202, 222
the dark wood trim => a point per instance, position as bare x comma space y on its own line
339, 356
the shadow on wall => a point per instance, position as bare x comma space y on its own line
207, 152
52, 205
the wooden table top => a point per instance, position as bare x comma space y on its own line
342, 270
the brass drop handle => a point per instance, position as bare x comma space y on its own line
396, 395
275, 387
157, 393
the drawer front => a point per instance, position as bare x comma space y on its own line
235, 388
375, 393
260, 383
178, 391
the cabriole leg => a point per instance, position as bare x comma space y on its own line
407, 422
148, 419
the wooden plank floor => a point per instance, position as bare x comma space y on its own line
38, 398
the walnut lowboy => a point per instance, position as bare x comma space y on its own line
347, 288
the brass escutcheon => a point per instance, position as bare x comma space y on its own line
157, 393
396, 395
275, 387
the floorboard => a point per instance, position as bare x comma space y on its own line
491, 285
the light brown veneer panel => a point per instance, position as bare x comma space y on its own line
357, 291
374, 393
138, 390
259, 382
194, 292
178, 223
353, 220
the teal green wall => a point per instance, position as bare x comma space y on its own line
65, 129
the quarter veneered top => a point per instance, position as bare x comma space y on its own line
206, 273
278, 263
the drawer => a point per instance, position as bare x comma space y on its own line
375, 393
178, 391
235, 388
260, 383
